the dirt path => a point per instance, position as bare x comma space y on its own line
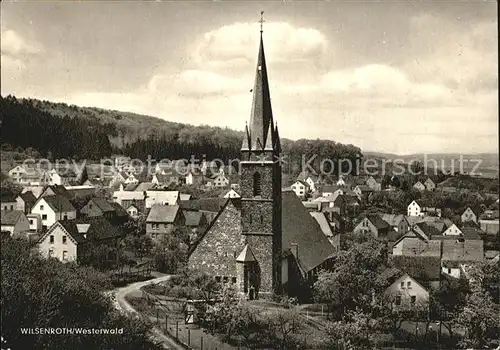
123, 305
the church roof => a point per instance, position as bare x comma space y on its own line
261, 117
246, 255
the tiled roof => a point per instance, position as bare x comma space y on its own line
119, 211
144, 186
163, 213
131, 187
59, 203
207, 204
466, 251
10, 217
378, 222
298, 226
422, 268
103, 204
70, 227
28, 197
392, 219
417, 246
193, 218
322, 222
99, 228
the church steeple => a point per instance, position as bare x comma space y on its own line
261, 118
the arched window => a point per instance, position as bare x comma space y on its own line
261, 219
256, 184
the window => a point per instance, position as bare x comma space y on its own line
234, 255
44, 217
408, 284
155, 226
397, 301
256, 184
250, 218
413, 299
90, 205
51, 239
64, 239
65, 255
226, 279
449, 270
233, 279
11, 207
261, 219
65, 217
41, 207
31, 221
217, 279
402, 284
51, 253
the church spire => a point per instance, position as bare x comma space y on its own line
261, 117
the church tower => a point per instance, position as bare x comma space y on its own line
260, 262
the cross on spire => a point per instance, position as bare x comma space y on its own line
261, 21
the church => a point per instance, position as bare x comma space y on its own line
265, 242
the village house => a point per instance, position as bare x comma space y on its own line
162, 219
404, 292
218, 180
265, 242
453, 230
121, 161
469, 215
301, 189
125, 198
98, 207
194, 177
363, 191
373, 184
162, 197
35, 221
414, 209
133, 211
231, 194
341, 182
310, 179
398, 223
53, 208
36, 190
8, 203
325, 227
374, 225
196, 221
329, 190
491, 227
25, 202
14, 221
429, 185
418, 186
62, 176
457, 254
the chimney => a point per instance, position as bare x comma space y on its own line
294, 247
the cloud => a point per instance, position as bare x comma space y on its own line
14, 45
465, 58
236, 44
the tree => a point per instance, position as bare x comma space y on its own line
37, 292
283, 324
356, 331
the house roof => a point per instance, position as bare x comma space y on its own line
246, 255
171, 197
131, 187
10, 217
119, 210
419, 267
206, 204
364, 188
490, 254
59, 203
144, 186
466, 251
128, 195
298, 226
96, 228
28, 197
322, 222
103, 204
58, 190
417, 246
163, 213
302, 182
193, 218
392, 219
70, 227
377, 221
329, 188
185, 196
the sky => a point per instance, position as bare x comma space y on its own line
399, 77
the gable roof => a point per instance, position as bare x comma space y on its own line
163, 213
377, 221
419, 267
322, 222
465, 251
71, 229
58, 203
299, 227
119, 210
144, 186
102, 204
171, 197
246, 255
10, 217
392, 219
193, 218
131, 187
96, 228
418, 247
28, 197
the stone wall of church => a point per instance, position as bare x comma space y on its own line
262, 248
246, 180
216, 253
257, 216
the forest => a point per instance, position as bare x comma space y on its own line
69, 131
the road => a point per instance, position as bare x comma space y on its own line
122, 304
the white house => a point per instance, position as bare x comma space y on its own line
458, 254
419, 186
53, 208
14, 221
162, 197
407, 293
469, 215
453, 230
232, 194
35, 221
373, 184
301, 188
220, 180
61, 241
414, 209
341, 182
133, 211
429, 185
